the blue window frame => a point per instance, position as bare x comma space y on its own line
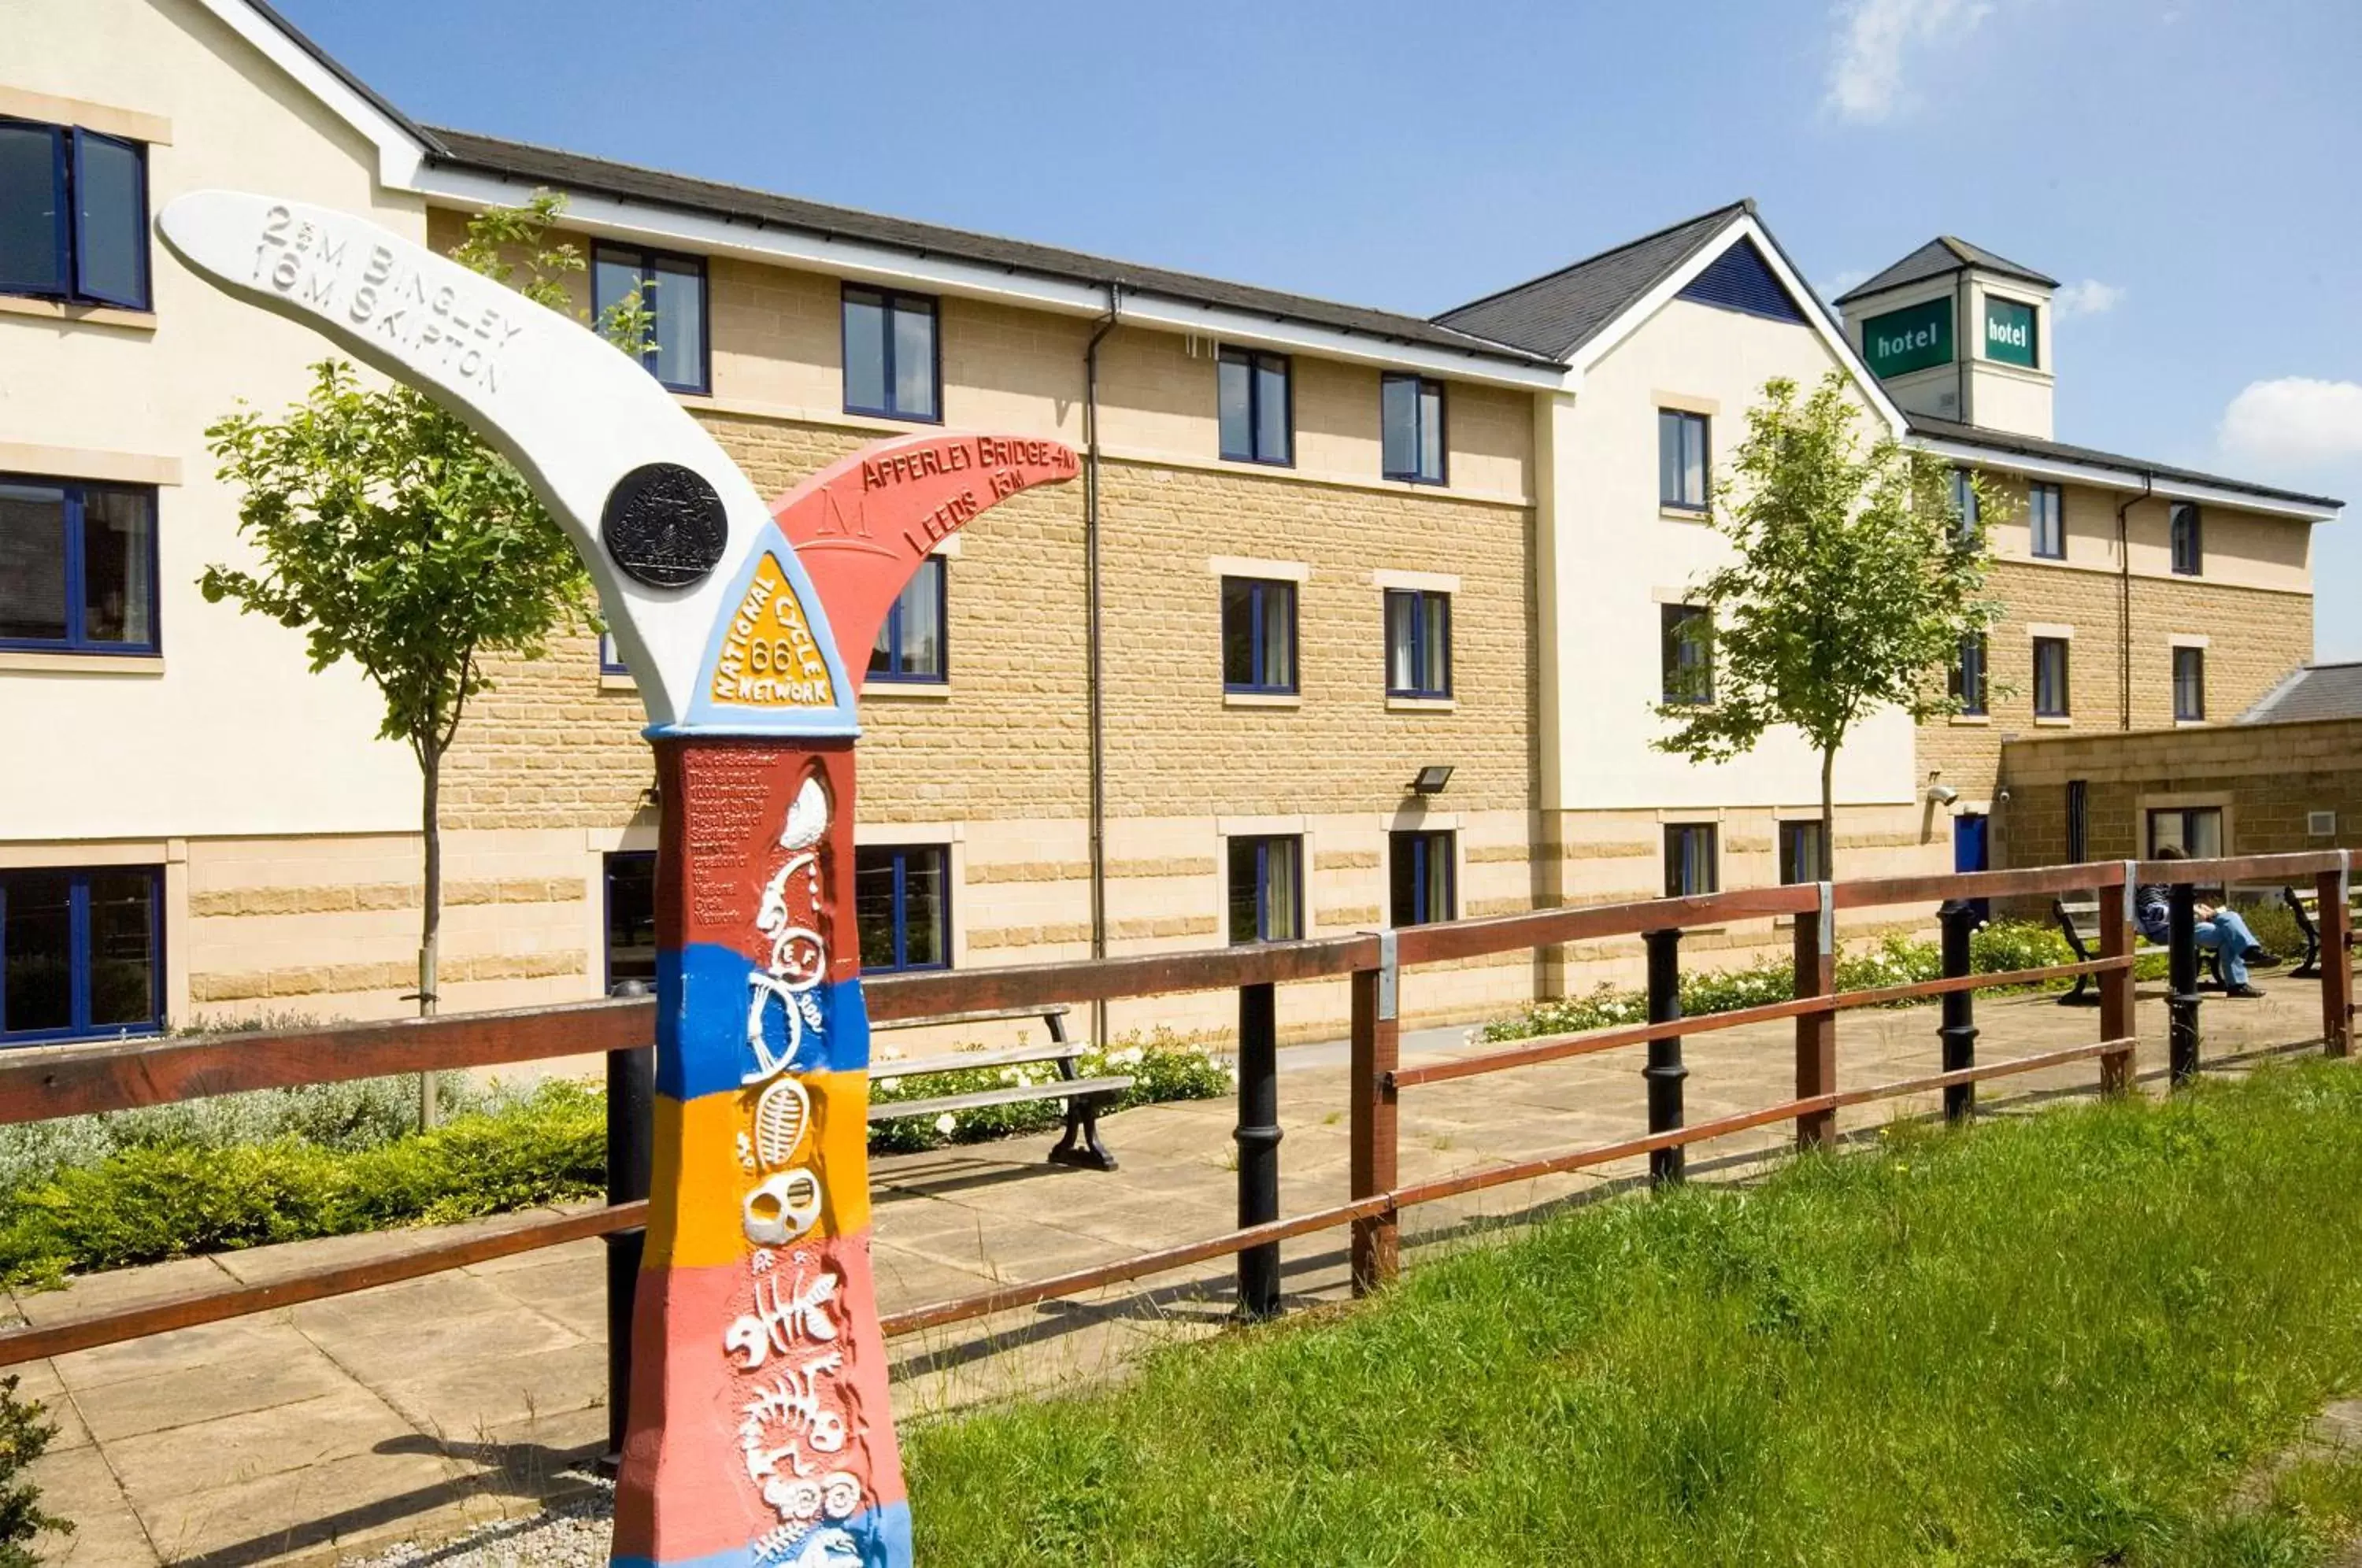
1258, 634
1692, 867
1419, 643
1421, 871
893, 355
2051, 688
1964, 502
1257, 399
1969, 674
2189, 539
81, 952
672, 289
1410, 411
1686, 635
1804, 853
2046, 520
610, 658
77, 567
1266, 889
631, 882
2189, 685
73, 214
902, 905
911, 643
1682, 459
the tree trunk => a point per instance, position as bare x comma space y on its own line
1828, 816
430, 927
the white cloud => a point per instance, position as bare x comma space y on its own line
2090, 297
2295, 419
1876, 39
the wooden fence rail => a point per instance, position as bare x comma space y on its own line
40, 1085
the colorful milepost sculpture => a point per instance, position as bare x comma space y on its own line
759, 1429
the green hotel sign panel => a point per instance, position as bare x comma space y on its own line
2009, 331
1909, 339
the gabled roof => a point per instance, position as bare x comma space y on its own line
1557, 313
2312, 691
1941, 256
336, 68
1930, 428
739, 204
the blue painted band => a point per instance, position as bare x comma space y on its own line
880, 1538
703, 995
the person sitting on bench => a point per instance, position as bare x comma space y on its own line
2220, 932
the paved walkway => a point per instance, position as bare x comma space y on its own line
418, 1409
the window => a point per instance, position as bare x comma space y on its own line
73, 214
1420, 874
2045, 520
2196, 831
1802, 857
1258, 418
672, 290
1964, 502
81, 953
910, 642
77, 567
893, 359
1418, 643
2079, 820
1688, 645
1680, 460
2189, 684
1266, 887
610, 656
1411, 410
903, 904
1969, 674
631, 919
1258, 634
2050, 677
2188, 540
1690, 867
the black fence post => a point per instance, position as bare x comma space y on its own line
631, 1161
1258, 1136
1664, 1072
2182, 992
1958, 1031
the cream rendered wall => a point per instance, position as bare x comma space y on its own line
1612, 559
233, 735
2242, 549
2004, 396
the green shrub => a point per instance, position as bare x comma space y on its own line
24, 1438
1164, 1067
2275, 927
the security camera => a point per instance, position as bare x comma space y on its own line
1942, 794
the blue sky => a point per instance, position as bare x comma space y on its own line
2187, 166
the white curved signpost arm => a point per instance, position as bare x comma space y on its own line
759, 1432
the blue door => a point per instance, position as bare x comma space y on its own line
1969, 851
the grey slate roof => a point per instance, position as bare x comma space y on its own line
1937, 430
336, 68
762, 209
1557, 313
2312, 691
1940, 255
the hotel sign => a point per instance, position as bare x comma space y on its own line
2009, 332
1909, 339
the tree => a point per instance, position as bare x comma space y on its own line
391, 535
1854, 579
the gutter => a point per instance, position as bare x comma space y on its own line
1094, 681
2125, 602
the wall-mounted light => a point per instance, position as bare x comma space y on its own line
1431, 779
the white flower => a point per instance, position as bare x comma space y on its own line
1126, 1057
888, 1085
946, 1124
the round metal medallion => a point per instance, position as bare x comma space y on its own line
664, 525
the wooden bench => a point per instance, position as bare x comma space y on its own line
2305, 904
2079, 921
1084, 1097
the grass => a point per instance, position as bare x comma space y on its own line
2054, 1340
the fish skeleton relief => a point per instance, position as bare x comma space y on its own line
759, 1432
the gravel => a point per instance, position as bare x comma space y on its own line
572, 1536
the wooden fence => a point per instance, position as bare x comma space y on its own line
113, 1077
